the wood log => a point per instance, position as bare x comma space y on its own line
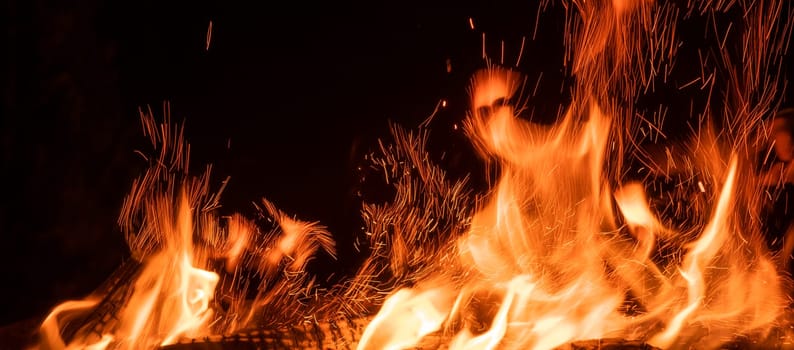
113, 295
343, 333
608, 344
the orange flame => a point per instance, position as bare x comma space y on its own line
170, 297
546, 244
179, 242
166, 306
551, 248
411, 315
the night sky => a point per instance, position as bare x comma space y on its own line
300, 93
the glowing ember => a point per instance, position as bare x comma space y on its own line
564, 246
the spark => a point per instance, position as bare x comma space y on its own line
209, 36
484, 56
689, 83
520, 50
502, 52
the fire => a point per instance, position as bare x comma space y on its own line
184, 260
163, 306
546, 244
564, 264
412, 314
166, 306
563, 246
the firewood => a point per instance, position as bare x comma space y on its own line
113, 295
607, 344
344, 335
339, 334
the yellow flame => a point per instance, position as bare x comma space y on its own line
405, 318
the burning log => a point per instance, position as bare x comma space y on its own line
113, 294
607, 344
345, 335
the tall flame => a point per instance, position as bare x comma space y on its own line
570, 251
546, 247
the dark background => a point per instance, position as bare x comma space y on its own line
300, 92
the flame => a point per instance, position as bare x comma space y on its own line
546, 244
240, 232
179, 242
163, 306
166, 306
50, 329
561, 263
412, 314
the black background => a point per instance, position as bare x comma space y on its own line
299, 91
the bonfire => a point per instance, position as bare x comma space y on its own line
568, 246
